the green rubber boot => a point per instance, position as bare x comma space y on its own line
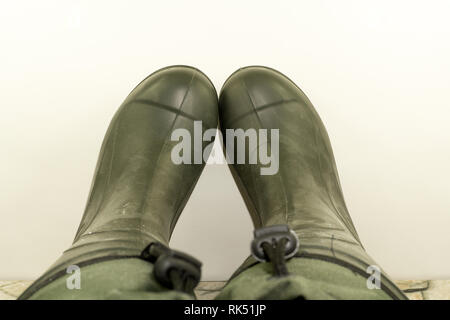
136, 198
305, 245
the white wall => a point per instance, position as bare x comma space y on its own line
377, 72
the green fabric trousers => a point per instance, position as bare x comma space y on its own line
309, 279
132, 278
117, 279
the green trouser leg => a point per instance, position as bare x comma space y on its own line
309, 279
128, 278
296, 186
138, 191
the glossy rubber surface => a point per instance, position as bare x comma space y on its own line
138, 192
305, 193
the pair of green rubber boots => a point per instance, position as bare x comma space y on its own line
305, 245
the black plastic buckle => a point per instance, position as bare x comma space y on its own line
166, 260
273, 234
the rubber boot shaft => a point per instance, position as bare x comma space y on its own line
305, 192
138, 192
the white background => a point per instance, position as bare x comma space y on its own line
377, 72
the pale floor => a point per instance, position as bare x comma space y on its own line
207, 290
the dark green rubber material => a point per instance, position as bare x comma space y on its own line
137, 192
305, 193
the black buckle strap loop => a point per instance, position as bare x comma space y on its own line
273, 234
276, 244
173, 269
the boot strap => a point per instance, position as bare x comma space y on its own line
173, 269
276, 244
